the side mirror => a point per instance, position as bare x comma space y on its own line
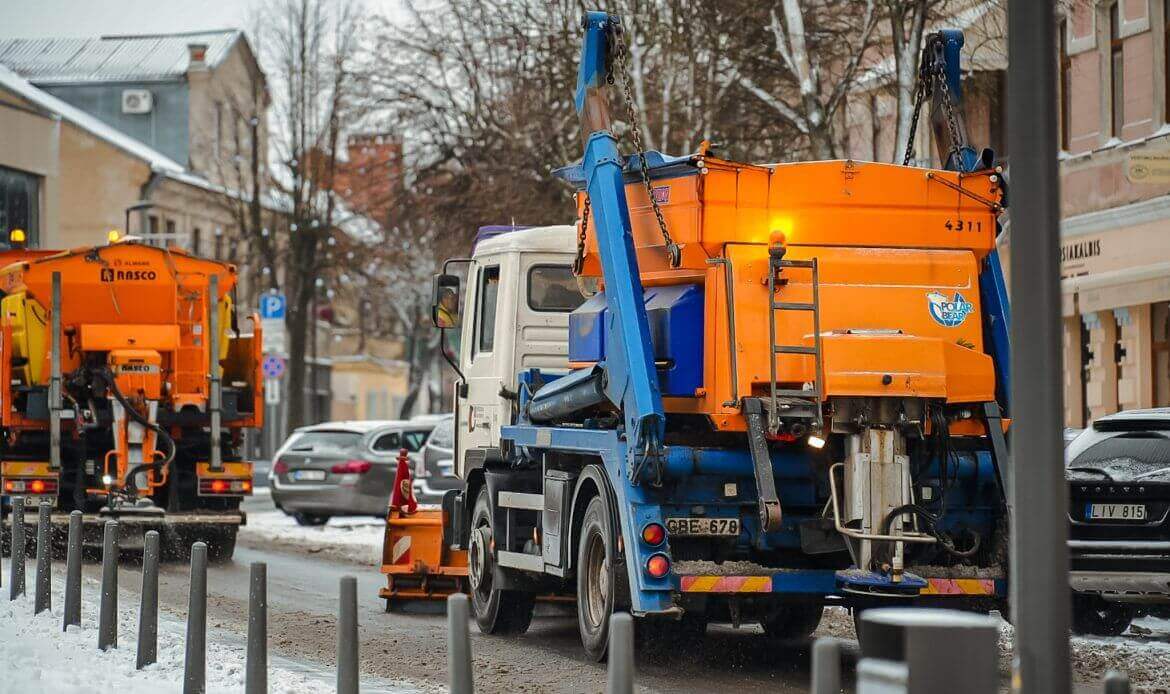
445, 301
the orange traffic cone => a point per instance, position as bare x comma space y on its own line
402, 499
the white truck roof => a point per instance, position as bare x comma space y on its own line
560, 238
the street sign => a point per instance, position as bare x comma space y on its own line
271, 391
273, 366
272, 306
274, 336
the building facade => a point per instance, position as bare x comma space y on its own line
198, 100
1115, 235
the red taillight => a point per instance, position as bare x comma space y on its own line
351, 467
658, 566
230, 487
30, 486
654, 534
280, 467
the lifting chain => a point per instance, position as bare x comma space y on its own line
932, 70
621, 59
579, 261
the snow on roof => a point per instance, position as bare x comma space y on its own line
18, 85
556, 239
112, 58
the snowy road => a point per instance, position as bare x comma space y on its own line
407, 652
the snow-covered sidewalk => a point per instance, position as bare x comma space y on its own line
357, 540
36, 656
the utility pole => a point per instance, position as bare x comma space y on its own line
1039, 561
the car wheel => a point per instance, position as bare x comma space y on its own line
596, 580
310, 519
1098, 617
794, 621
496, 611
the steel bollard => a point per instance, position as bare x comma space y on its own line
44, 587
621, 654
347, 638
459, 645
826, 666
256, 667
108, 611
16, 575
73, 574
148, 607
195, 662
1116, 682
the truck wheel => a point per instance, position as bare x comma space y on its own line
792, 621
496, 611
1098, 617
595, 581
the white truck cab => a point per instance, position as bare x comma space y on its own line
515, 310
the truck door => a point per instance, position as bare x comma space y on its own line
485, 357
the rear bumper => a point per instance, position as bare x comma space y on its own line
182, 527
331, 499
1129, 586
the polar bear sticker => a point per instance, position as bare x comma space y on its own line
946, 312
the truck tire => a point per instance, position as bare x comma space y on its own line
496, 611
596, 580
796, 621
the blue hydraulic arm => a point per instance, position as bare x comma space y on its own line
941, 75
631, 381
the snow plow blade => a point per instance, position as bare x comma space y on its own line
418, 566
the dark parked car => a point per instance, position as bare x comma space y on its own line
341, 468
435, 474
1118, 472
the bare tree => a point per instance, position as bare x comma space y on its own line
809, 63
310, 47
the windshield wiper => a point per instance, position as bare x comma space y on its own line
1097, 470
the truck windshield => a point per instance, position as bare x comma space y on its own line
553, 288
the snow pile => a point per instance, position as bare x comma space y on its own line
36, 656
357, 540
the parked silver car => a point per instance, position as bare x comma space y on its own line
435, 473
341, 468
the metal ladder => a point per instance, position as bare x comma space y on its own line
794, 403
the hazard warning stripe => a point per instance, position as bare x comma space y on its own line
400, 552
959, 586
726, 584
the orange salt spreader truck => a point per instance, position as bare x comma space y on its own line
125, 387
785, 391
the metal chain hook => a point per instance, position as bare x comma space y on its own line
622, 65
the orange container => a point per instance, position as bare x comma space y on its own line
899, 252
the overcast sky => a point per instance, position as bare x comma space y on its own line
40, 18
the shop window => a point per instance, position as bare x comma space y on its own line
1160, 344
1086, 373
20, 204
